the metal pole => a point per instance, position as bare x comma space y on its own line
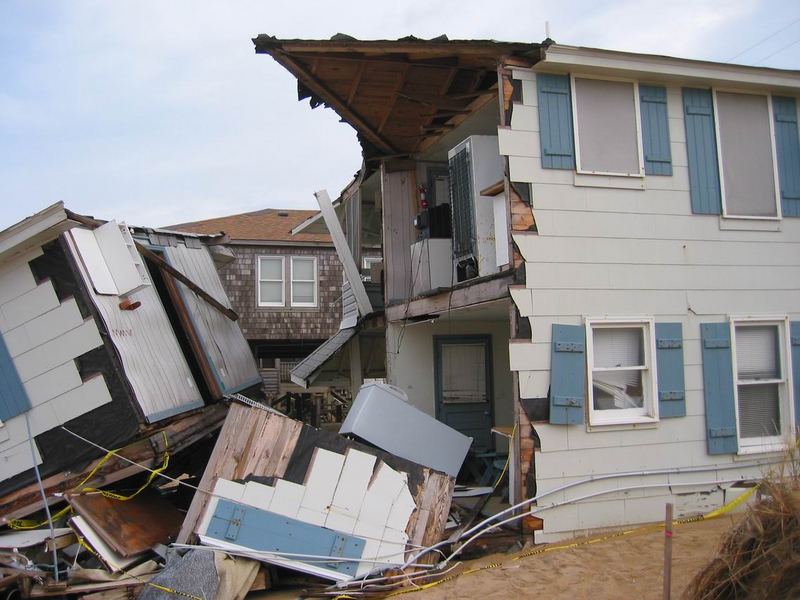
668, 551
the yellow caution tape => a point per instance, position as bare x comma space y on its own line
551, 548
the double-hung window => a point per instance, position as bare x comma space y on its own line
606, 117
746, 154
761, 392
304, 281
620, 369
270, 281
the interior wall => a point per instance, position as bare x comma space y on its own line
410, 363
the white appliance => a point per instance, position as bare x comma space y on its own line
432, 265
382, 416
474, 165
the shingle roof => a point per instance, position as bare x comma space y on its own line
268, 225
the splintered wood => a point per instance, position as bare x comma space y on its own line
271, 449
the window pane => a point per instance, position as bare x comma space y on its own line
303, 269
746, 150
617, 389
271, 291
759, 414
303, 292
757, 352
618, 347
271, 268
606, 122
464, 373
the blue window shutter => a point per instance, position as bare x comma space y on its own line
13, 398
265, 531
669, 369
718, 388
701, 148
555, 121
787, 146
567, 374
794, 329
655, 130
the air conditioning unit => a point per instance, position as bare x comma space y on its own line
474, 165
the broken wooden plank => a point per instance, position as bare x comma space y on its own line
129, 527
148, 451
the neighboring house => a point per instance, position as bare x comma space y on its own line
111, 331
285, 288
606, 264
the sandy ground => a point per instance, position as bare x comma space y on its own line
622, 567
627, 567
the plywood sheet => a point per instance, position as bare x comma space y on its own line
133, 526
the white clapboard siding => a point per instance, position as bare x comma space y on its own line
54, 382
23, 308
16, 277
43, 328
92, 394
221, 337
384, 506
605, 248
18, 459
58, 351
151, 355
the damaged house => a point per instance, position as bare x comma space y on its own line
113, 334
591, 260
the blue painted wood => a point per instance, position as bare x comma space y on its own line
787, 145
718, 388
701, 147
264, 531
669, 369
794, 332
13, 397
555, 121
567, 374
655, 130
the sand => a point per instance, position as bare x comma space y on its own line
623, 567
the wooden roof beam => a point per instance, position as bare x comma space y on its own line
354, 88
398, 86
320, 89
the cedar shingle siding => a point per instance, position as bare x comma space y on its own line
281, 323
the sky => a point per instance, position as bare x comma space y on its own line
159, 112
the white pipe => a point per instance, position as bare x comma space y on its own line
578, 499
590, 479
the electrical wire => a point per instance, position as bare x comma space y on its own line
769, 37
779, 50
44, 495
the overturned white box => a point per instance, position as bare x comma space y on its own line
382, 416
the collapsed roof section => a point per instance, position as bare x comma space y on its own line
399, 95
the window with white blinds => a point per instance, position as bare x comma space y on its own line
760, 383
620, 365
464, 373
270, 281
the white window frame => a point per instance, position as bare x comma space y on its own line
315, 281
367, 262
259, 280
638, 117
628, 416
775, 176
785, 386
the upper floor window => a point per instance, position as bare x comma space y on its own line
304, 281
606, 115
746, 155
270, 281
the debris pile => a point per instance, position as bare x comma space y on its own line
137, 456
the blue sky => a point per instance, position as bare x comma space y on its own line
159, 112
